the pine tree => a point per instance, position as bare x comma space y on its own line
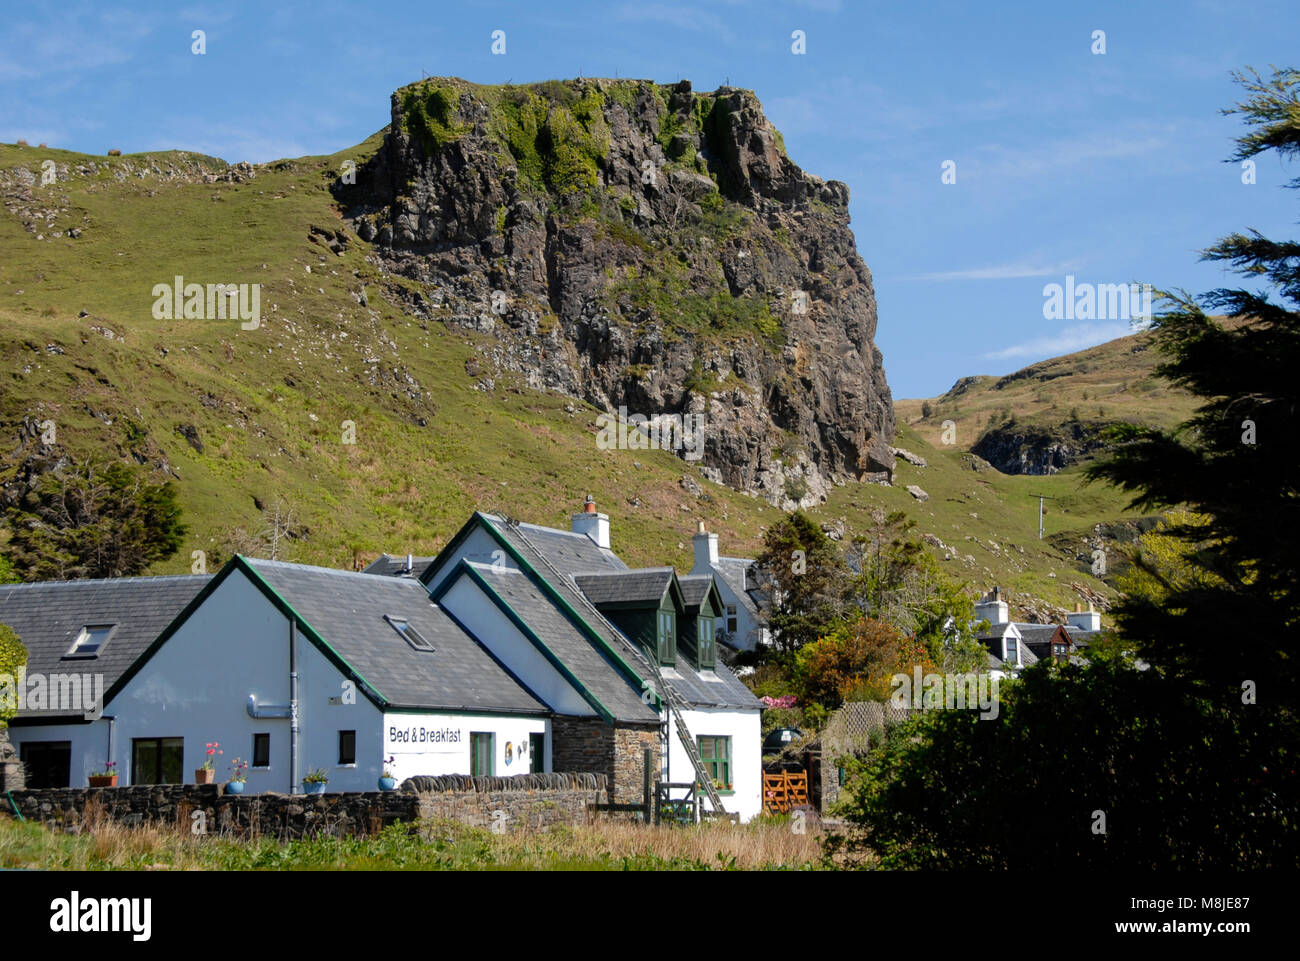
1234, 464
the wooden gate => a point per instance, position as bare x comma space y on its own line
784, 792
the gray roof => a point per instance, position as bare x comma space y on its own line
48, 616
394, 565
592, 668
572, 553
719, 689
732, 570
695, 588
646, 584
1037, 633
347, 610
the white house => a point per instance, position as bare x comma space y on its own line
604, 622
742, 626
375, 669
519, 648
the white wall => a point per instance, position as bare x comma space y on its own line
749, 632
482, 618
197, 685
440, 744
744, 728
479, 547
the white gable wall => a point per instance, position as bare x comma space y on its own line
466, 602
481, 548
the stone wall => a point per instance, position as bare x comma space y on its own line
613, 750
12, 773
508, 804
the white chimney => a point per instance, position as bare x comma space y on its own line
591, 523
706, 551
993, 608
1081, 620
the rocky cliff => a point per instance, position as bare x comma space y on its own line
646, 247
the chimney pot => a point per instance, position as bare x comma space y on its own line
590, 506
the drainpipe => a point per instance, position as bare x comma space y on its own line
293, 706
112, 740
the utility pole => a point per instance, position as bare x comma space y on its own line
1041, 498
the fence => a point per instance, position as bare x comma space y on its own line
784, 791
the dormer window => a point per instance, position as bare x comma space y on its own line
667, 638
91, 640
1012, 651
706, 645
411, 635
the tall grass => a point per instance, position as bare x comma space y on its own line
432, 845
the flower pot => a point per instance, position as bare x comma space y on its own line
388, 784
235, 787
313, 787
205, 775
103, 780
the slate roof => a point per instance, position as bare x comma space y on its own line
569, 552
593, 669
732, 570
695, 588
394, 565
718, 689
48, 616
646, 584
347, 610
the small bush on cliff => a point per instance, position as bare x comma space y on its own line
430, 116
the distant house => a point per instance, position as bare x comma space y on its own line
1013, 645
741, 594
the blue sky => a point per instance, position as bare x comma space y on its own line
1106, 167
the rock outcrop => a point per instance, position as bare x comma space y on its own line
643, 247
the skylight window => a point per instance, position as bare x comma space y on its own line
413, 637
91, 640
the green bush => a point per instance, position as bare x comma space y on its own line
12, 656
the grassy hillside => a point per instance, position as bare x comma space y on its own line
1114, 381
434, 441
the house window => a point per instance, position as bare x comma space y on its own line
482, 754
731, 619
347, 747
48, 763
412, 636
262, 750
157, 760
705, 643
536, 753
667, 643
91, 640
715, 752
1012, 651
1058, 650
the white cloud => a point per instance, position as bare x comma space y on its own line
1065, 341
1000, 272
